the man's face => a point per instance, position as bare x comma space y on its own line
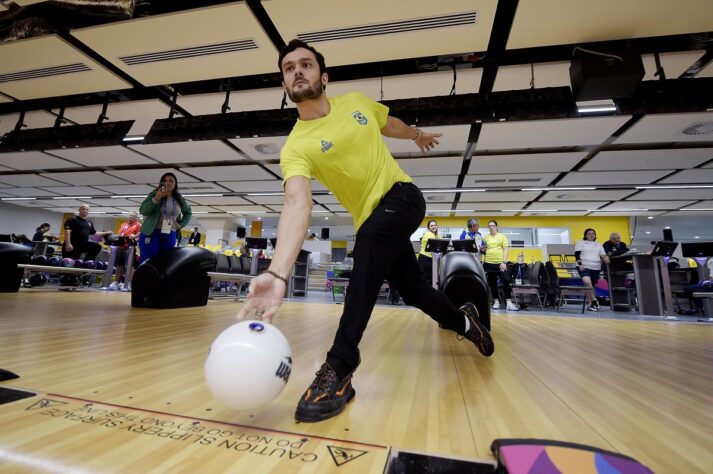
474, 228
615, 239
300, 76
132, 217
84, 212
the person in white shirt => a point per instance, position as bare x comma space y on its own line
589, 255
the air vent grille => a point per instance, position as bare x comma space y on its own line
183, 53
44, 72
377, 29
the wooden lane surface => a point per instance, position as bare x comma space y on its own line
643, 389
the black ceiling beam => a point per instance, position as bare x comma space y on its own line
502, 24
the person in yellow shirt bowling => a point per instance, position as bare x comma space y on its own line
338, 141
496, 245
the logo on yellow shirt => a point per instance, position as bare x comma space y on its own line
359, 117
326, 145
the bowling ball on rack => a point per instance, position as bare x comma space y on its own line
39, 260
55, 261
68, 262
38, 279
79, 263
89, 264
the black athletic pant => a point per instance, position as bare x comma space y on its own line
91, 248
383, 250
492, 271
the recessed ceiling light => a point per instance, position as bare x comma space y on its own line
697, 237
648, 231
650, 217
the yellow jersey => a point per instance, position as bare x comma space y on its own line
344, 150
494, 246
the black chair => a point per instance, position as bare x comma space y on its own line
245, 264
562, 291
462, 279
175, 278
222, 264
532, 284
236, 265
10, 275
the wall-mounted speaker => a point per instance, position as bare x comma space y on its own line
668, 235
241, 232
325, 233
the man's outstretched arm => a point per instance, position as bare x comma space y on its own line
267, 290
396, 128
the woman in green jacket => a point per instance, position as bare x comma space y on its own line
165, 212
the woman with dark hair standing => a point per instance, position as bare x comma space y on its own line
589, 255
425, 259
165, 213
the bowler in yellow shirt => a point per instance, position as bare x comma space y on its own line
338, 141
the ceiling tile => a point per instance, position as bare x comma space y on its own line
499, 196
702, 205
435, 182
261, 148
673, 64
273, 185
612, 177
522, 77
34, 160
524, 163
528, 212
27, 180
228, 173
646, 205
218, 200
120, 203
142, 112
627, 213
509, 180
240, 101
489, 206
430, 166
662, 128
36, 119
242, 46
28, 192
128, 189
151, 176
291, 20
587, 195
688, 176
548, 133
74, 190
103, 156
85, 178
672, 194
552, 22
648, 159
190, 152
566, 205
454, 139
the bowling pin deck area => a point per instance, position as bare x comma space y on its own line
117, 389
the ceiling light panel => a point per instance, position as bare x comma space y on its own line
74, 190
218, 200
189, 152
350, 33
230, 43
128, 189
659, 128
48, 66
548, 133
499, 196
552, 22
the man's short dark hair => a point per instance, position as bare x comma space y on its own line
296, 44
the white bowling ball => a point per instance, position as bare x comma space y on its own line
248, 365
